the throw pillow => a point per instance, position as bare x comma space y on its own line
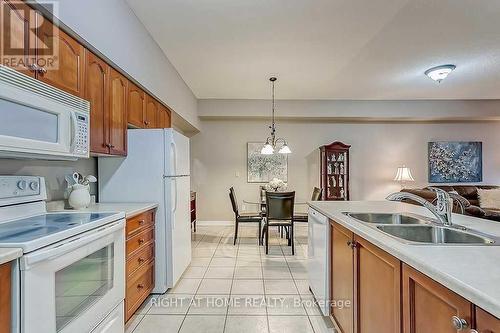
489, 199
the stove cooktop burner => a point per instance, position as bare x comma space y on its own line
32, 229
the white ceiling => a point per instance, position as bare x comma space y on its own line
329, 49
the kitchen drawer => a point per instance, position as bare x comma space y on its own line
140, 257
139, 240
138, 222
139, 285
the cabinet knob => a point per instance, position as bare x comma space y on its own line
352, 244
141, 241
141, 222
140, 286
141, 260
459, 323
33, 67
146, 122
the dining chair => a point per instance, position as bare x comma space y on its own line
279, 213
316, 196
245, 217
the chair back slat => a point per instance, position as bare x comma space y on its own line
279, 205
316, 196
234, 202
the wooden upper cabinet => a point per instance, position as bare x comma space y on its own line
486, 323
151, 119
164, 117
118, 93
377, 288
342, 276
136, 106
430, 307
69, 75
96, 92
17, 38
5, 298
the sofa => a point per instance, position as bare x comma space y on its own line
468, 196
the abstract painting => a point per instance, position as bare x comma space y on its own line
455, 162
263, 168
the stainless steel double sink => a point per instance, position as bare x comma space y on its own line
416, 229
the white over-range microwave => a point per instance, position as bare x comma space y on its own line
40, 121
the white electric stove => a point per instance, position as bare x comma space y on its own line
71, 276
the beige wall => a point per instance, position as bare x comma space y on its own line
219, 156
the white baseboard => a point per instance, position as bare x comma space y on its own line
211, 223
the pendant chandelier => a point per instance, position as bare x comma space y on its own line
272, 143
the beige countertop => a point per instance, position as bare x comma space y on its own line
471, 271
129, 208
9, 254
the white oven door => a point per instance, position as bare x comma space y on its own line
73, 285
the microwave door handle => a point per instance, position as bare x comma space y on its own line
60, 250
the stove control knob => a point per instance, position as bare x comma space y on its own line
34, 186
21, 185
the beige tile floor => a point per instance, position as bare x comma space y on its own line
237, 289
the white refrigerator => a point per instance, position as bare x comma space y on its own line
156, 169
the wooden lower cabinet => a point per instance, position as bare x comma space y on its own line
140, 257
377, 276
429, 306
342, 277
389, 296
5, 298
370, 279
486, 323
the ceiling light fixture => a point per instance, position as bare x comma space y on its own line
272, 142
440, 73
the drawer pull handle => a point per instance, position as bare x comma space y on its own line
140, 286
459, 323
141, 222
141, 241
141, 260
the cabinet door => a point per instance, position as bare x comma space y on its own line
118, 91
5, 298
96, 92
342, 277
164, 117
17, 39
136, 105
69, 75
151, 112
428, 306
486, 323
378, 290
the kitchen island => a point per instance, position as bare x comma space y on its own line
472, 272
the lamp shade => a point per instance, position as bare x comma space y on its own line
267, 149
404, 175
285, 149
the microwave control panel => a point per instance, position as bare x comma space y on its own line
82, 134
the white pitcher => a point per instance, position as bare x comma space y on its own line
79, 197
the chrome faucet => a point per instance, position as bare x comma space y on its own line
442, 210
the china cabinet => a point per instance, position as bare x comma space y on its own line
334, 172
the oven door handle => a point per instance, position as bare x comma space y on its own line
103, 233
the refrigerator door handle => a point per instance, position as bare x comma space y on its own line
174, 157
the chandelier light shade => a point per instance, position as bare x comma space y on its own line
404, 175
272, 143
